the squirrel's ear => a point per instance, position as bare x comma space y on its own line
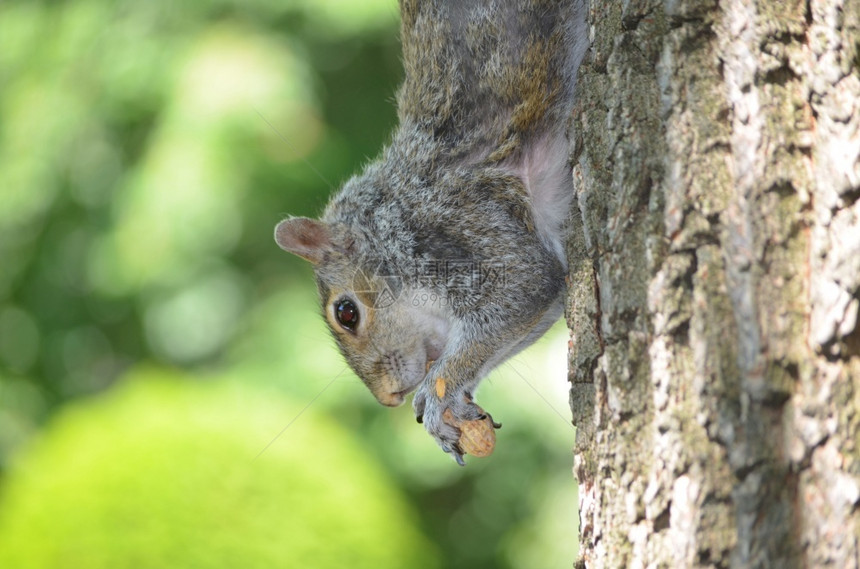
307, 238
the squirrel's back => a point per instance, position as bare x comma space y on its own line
487, 93
487, 77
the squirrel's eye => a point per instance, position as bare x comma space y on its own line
346, 313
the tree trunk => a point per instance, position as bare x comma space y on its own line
715, 283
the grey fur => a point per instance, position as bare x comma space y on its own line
450, 244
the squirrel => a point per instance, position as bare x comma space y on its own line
445, 256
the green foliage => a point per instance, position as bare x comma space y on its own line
165, 472
147, 149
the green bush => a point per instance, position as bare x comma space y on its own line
164, 472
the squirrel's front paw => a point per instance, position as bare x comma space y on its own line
449, 415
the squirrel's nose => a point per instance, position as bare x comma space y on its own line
391, 399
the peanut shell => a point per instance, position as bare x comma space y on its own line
477, 438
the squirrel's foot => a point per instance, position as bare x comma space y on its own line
435, 398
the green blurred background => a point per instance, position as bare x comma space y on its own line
169, 396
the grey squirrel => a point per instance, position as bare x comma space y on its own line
445, 256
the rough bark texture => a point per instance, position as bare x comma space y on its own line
715, 283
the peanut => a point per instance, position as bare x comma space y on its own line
477, 438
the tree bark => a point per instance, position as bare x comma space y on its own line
715, 284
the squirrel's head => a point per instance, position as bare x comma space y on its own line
384, 327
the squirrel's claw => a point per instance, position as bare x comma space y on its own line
458, 457
484, 416
456, 453
418, 403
